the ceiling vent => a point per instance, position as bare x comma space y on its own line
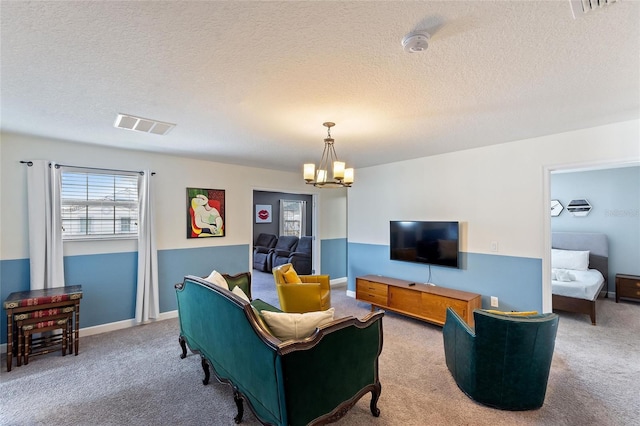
580, 7
145, 125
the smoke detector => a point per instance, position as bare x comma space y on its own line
416, 41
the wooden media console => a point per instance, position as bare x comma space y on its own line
422, 301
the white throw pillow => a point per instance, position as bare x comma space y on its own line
216, 278
570, 259
287, 326
240, 293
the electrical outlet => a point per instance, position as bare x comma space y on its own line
494, 301
494, 246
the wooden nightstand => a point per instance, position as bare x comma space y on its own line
627, 286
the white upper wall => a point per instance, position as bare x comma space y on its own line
332, 220
496, 192
173, 176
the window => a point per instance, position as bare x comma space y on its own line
99, 205
292, 217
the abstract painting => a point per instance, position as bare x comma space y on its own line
205, 213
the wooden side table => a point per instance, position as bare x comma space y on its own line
24, 302
27, 330
34, 322
628, 287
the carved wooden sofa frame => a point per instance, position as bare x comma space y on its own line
313, 381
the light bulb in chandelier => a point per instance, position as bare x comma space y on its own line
342, 176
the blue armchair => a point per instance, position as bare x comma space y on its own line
261, 251
301, 258
279, 255
505, 362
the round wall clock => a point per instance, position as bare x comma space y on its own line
556, 208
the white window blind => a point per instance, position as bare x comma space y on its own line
293, 215
99, 204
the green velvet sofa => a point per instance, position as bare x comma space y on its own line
505, 361
297, 382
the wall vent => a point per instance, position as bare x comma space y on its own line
580, 7
145, 125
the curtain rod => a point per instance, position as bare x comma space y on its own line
30, 163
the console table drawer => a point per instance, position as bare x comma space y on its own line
375, 299
369, 287
374, 293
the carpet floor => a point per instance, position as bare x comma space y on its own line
135, 377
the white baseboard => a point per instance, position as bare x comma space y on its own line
338, 282
113, 326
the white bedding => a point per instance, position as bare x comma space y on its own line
587, 285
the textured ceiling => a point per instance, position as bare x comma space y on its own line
252, 82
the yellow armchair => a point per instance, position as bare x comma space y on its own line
301, 293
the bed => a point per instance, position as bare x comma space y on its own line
581, 278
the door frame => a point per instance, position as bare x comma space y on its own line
315, 246
547, 305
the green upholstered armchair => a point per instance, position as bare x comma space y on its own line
312, 293
505, 362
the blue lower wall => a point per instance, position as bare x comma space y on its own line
334, 257
516, 281
108, 286
109, 280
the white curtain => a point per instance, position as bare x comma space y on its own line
45, 225
147, 303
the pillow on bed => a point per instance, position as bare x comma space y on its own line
562, 275
570, 259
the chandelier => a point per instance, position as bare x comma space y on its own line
342, 177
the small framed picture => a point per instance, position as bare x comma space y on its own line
556, 208
205, 213
263, 213
579, 207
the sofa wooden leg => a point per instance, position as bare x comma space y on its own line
207, 374
183, 345
375, 394
238, 399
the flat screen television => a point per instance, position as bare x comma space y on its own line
433, 243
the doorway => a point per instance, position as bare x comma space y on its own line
612, 193
289, 214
